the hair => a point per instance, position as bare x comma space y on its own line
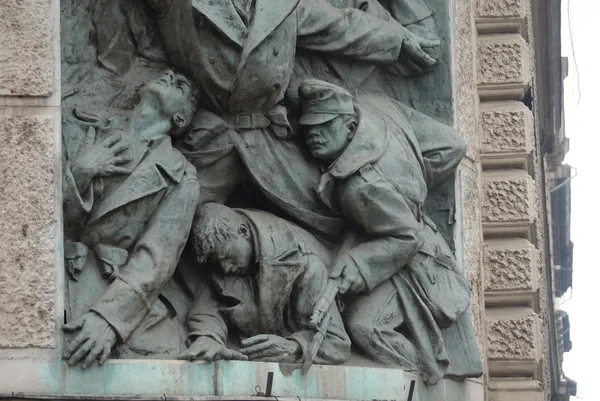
190, 109
214, 223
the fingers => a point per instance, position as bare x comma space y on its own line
76, 344
118, 160
120, 148
96, 351
81, 352
428, 43
255, 340
231, 354
119, 170
418, 56
74, 325
267, 354
111, 140
257, 348
105, 353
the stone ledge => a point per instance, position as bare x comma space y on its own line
496, 16
515, 390
510, 267
506, 135
513, 337
508, 203
27, 52
502, 66
226, 380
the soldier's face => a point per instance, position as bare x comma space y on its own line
327, 141
234, 256
171, 93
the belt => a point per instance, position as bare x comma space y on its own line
275, 118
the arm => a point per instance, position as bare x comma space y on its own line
335, 348
441, 145
368, 199
153, 260
353, 33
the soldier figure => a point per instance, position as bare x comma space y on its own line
400, 279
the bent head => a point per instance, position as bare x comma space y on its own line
223, 236
174, 96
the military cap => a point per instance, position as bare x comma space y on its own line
321, 101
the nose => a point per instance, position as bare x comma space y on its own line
170, 76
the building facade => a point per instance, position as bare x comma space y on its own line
511, 233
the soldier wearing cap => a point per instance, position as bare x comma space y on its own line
399, 276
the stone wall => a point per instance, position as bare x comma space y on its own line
31, 234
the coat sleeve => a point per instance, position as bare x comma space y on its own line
370, 200
153, 259
441, 145
205, 319
335, 348
348, 32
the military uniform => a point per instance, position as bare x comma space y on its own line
380, 182
124, 236
279, 299
243, 59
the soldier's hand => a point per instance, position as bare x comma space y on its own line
271, 348
346, 276
103, 159
94, 340
207, 349
414, 58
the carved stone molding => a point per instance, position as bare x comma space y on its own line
515, 390
506, 135
502, 66
500, 16
510, 267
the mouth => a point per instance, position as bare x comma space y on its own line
316, 142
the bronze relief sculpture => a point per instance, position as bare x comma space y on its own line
266, 202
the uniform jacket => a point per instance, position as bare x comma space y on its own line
248, 68
279, 299
134, 225
380, 183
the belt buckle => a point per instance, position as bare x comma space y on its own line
243, 121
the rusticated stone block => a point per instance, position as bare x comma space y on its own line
510, 265
502, 66
499, 8
513, 341
506, 133
26, 54
28, 206
508, 202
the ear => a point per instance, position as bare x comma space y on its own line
179, 120
352, 126
244, 231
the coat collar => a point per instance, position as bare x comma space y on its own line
268, 15
368, 145
145, 179
223, 15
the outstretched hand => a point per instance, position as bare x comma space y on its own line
414, 59
271, 348
94, 340
207, 349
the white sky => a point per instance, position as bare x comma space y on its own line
580, 364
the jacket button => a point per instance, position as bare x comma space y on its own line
212, 60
